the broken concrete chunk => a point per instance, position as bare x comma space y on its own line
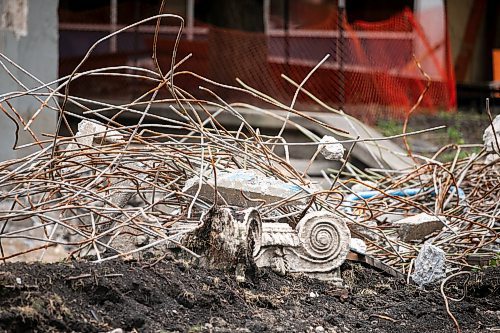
493, 159
118, 194
256, 188
88, 131
417, 227
331, 148
490, 144
357, 245
100, 131
141, 240
429, 265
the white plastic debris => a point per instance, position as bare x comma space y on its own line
331, 148
430, 265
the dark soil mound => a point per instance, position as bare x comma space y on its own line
172, 297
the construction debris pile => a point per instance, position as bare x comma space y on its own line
446, 212
181, 180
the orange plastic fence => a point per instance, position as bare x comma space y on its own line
373, 66
371, 73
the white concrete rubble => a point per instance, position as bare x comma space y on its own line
490, 143
430, 265
490, 158
331, 149
93, 130
89, 133
417, 227
366, 229
357, 245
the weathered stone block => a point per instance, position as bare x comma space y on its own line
331, 149
417, 227
256, 188
430, 265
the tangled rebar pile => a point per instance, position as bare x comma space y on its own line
81, 192
463, 195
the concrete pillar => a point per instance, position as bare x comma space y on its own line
29, 36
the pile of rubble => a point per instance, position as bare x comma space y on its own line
226, 198
433, 220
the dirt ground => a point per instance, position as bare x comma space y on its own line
173, 297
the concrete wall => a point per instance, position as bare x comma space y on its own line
458, 16
29, 36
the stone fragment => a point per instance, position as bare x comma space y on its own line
218, 322
490, 143
331, 148
365, 229
490, 158
417, 227
493, 159
90, 131
120, 192
430, 265
141, 240
256, 188
97, 131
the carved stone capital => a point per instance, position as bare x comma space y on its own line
319, 244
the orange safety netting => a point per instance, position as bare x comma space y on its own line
374, 64
372, 70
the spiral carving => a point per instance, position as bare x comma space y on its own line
324, 238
